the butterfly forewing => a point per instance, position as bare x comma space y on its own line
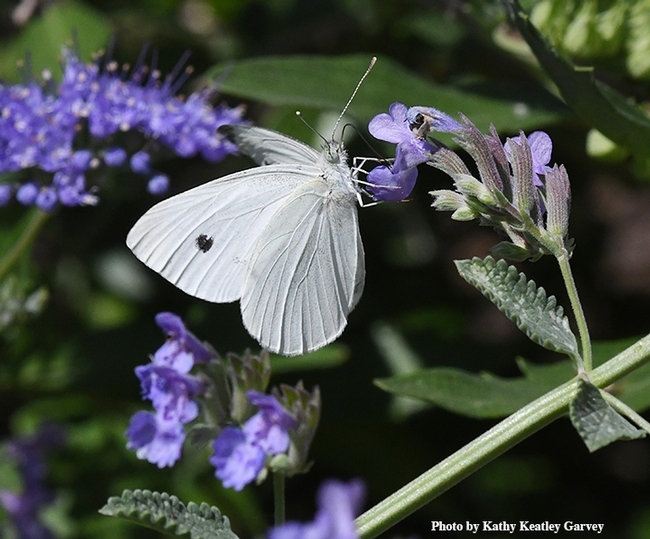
306, 273
267, 147
202, 240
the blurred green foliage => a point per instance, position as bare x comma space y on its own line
71, 358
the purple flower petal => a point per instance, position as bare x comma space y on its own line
237, 462
338, 505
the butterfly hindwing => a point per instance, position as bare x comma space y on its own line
307, 272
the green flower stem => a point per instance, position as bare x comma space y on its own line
493, 443
278, 495
34, 225
585, 342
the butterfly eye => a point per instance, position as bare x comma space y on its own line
203, 243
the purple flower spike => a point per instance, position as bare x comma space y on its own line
173, 392
338, 505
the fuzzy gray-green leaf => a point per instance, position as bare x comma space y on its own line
167, 514
521, 300
596, 421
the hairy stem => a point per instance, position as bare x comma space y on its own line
493, 443
585, 342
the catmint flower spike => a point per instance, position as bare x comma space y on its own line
522, 172
558, 201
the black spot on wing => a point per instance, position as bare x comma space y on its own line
204, 243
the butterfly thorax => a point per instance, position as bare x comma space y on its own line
336, 172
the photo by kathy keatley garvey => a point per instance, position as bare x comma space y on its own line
512, 527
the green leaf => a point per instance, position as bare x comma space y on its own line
596, 421
323, 82
44, 37
599, 105
328, 357
486, 396
483, 395
527, 305
168, 515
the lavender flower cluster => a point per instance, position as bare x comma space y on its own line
283, 425
56, 134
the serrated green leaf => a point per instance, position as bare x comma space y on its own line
521, 300
44, 37
597, 423
327, 82
167, 514
483, 395
596, 103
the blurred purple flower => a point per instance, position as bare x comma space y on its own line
154, 439
338, 505
240, 454
38, 129
165, 381
24, 508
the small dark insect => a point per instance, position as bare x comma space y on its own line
203, 243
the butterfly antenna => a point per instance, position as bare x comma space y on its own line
302, 118
338, 121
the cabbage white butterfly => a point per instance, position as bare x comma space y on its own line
282, 238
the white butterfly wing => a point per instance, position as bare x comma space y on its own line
307, 272
267, 147
202, 240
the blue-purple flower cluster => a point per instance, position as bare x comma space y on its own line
40, 129
24, 508
338, 505
240, 454
158, 437
246, 443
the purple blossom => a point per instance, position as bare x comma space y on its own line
166, 383
170, 392
407, 129
154, 439
394, 127
392, 184
39, 129
237, 461
24, 508
240, 454
338, 505
181, 344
